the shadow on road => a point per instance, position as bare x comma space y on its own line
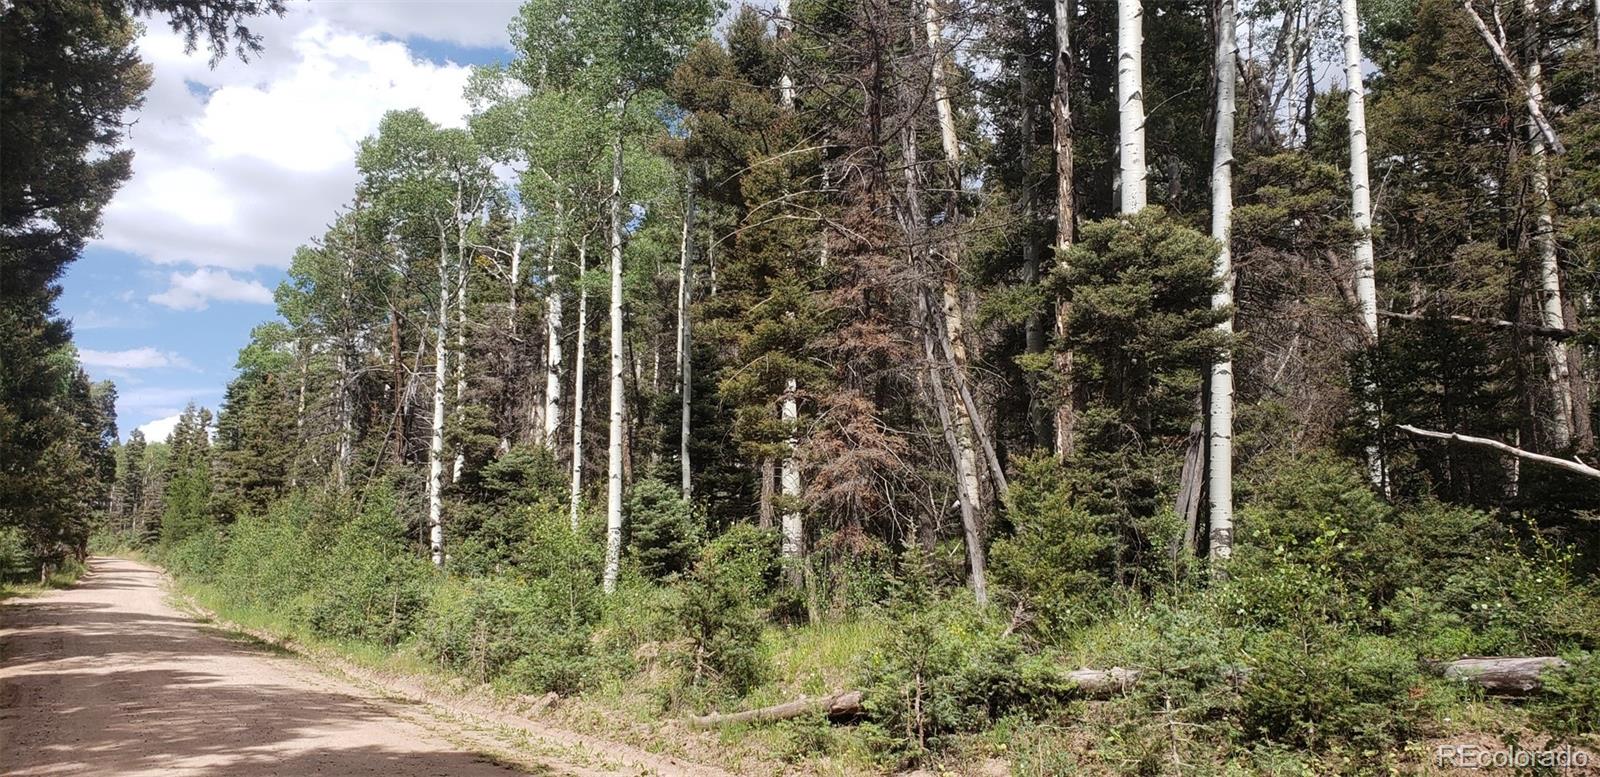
98, 680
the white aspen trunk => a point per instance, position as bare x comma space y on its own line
346, 420
1061, 134
1361, 217
915, 220
1219, 452
1130, 105
514, 283
685, 368
934, 25
785, 82
793, 546
977, 558
342, 367
513, 289
951, 310
1551, 310
614, 464
552, 341
436, 441
462, 268
793, 522
576, 496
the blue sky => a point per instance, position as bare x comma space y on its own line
234, 167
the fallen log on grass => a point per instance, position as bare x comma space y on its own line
839, 706
1502, 675
1505, 675
1102, 683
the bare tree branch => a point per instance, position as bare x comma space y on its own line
1534, 109
1552, 332
1571, 466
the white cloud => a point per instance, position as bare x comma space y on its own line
235, 167
194, 291
160, 429
132, 359
480, 23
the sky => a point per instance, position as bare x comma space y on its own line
236, 166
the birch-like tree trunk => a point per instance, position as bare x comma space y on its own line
793, 521
436, 441
614, 464
552, 341
685, 368
1219, 448
346, 346
1132, 172
575, 499
915, 220
1551, 308
513, 295
1361, 216
952, 309
977, 558
462, 269
1066, 415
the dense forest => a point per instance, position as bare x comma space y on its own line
966, 342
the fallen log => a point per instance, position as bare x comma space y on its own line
1102, 683
1503, 675
843, 705
1500, 675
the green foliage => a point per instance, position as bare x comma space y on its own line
1317, 686
1058, 558
662, 532
370, 587
1142, 329
532, 630
188, 493
718, 613
947, 669
1568, 705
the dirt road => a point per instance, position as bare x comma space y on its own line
107, 679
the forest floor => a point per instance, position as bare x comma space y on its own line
108, 678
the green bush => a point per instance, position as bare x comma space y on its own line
271, 560
532, 631
1317, 686
1569, 705
370, 587
662, 533
947, 670
200, 555
719, 615
1058, 559
478, 626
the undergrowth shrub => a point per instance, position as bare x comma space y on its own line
719, 614
199, 556
1317, 686
268, 558
478, 627
1568, 706
947, 670
1058, 558
663, 536
369, 586
531, 631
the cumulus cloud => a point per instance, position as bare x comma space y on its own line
195, 290
132, 359
236, 166
160, 429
